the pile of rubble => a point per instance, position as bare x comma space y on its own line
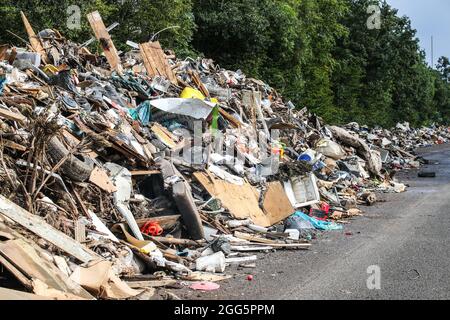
126, 173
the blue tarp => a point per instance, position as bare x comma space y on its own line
318, 224
142, 113
2, 84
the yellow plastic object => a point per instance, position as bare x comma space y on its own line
190, 93
50, 69
278, 149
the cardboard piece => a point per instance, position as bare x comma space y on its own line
99, 279
100, 178
243, 201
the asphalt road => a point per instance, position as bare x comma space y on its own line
407, 237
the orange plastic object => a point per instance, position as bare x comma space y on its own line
152, 229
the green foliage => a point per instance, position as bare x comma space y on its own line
139, 20
317, 53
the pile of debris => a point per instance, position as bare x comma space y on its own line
125, 173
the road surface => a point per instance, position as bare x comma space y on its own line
407, 237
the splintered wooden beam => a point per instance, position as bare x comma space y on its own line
103, 36
39, 227
34, 40
155, 61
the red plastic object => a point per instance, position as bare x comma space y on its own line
249, 277
205, 286
325, 208
152, 229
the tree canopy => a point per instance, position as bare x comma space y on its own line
346, 60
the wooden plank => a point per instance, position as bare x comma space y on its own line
16, 273
176, 241
204, 276
272, 243
234, 122
249, 237
166, 222
80, 231
3, 52
12, 145
163, 62
198, 82
39, 227
150, 283
14, 116
14, 295
239, 260
144, 172
155, 61
164, 135
34, 40
102, 35
241, 201
27, 260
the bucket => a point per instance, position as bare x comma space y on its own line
308, 156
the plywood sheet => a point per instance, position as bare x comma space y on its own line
242, 201
276, 203
155, 61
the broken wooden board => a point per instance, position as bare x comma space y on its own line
102, 35
204, 276
272, 243
234, 122
250, 248
198, 82
14, 116
14, 295
40, 288
276, 203
100, 178
135, 173
155, 61
13, 145
38, 226
150, 283
26, 259
16, 273
36, 44
164, 135
3, 52
243, 201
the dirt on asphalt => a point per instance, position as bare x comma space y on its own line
405, 236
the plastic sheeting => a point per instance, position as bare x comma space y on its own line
321, 225
142, 113
194, 108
